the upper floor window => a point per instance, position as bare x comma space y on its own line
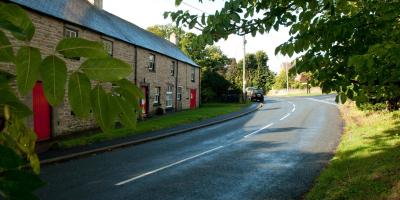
70, 33
152, 62
172, 71
108, 47
193, 75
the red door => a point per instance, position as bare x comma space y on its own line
192, 98
145, 102
41, 113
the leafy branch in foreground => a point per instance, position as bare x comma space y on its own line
350, 47
19, 164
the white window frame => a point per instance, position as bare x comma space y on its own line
108, 46
168, 96
179, 93
152, 62
157, 95
70, 33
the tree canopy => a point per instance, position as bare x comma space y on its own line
258, 73
351, 47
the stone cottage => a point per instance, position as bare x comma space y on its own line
169, 79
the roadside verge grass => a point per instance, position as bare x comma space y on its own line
367, 161
205, 111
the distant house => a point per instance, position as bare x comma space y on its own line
169, 79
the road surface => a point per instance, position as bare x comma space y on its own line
274, 153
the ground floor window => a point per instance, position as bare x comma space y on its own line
179, 94
168, 96
157, 95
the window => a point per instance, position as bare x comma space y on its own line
152, 62
172, 68
193, 74
70, 33
157, 95
179, 94
108, 47
168, 96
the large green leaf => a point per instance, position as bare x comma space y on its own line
102, 109
27, 64
130, 87
78, 47
126, 112
9, 159
16, 106
17, 21
6, 52
79, 94
19, 109
14, 181
54, 75
106, 69
5, 79
129, 91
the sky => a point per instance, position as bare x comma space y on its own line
145, 13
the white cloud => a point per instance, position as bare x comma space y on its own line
145, 13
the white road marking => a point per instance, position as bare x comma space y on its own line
287, 115
294, 107
167, 166
322, 101
258, 130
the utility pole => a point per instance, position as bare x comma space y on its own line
244, 68
287, 78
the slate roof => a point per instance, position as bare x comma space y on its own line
81, 12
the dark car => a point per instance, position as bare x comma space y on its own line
257, 95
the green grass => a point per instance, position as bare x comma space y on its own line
156, 123
367, 161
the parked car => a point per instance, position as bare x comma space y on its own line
257, 95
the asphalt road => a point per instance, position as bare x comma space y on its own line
274, 153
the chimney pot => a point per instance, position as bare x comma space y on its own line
173, 38
97, 3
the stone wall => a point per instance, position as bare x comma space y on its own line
49, 31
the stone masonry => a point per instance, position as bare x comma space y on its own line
49, 31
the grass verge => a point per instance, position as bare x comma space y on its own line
367, 161
206, 111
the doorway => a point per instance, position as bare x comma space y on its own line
41, 113
192, 98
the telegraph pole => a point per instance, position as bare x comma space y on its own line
287, 78
244, 68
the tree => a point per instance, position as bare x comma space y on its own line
258, 73
280, 80
165, 31
351, 47
19, 164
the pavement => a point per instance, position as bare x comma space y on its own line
60, 155
273, 153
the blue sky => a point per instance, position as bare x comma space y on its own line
145, 13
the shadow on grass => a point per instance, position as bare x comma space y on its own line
366, 166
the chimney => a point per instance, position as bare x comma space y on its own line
97, 3
174, 38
